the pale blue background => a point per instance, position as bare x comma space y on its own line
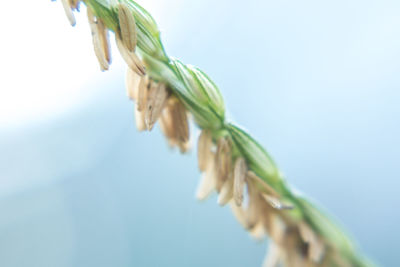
316, 82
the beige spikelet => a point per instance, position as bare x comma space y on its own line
104, 40
97, 45
179, 120
274, 256
132, 82
204, 149
156, 100
258, 231
239, 213
254, 207
127, 26
139, 119
207, 182
130, 58
143, 90
239, 176
74, 4
316, 247
167, 127
226, 193
223, 162
267, 188
68, 12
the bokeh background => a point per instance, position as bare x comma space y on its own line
316, 82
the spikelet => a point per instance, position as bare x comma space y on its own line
139, 119
156, 99
167, 127
179, 120
143, 90
104, 40
265, 187
132, 82
207, 182
254, 206
130, 58
239, 176
174, 124
223, 161
316, 247
97, 44
274, 256
258, 231
74, 4
204, 149
276, 228
68, 12
226, 193
239, 213
127, 26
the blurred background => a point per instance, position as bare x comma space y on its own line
316, 82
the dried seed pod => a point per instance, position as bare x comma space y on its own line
316, 248
98, 48
68, 12
226, 193
130, 58
277, 228
239, 176
267, 188
139, 118
239, 213
204, 149
167, 127
223, 161
254, 207
143, 91
207, 182
156, 100
274, 256
104, 40
74, 4
179, 120
132, 82
258, 231
127, 26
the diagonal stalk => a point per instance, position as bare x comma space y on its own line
302, 234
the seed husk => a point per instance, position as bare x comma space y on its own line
132, 82
104, 40
156, 100
127, 26
143, 90
180, 121
223, 161
68, 12
226, 193
316, 248
207, 183
204, 149
139, 119
98, 49
239, 176
130, 58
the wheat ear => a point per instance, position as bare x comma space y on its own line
233, 163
